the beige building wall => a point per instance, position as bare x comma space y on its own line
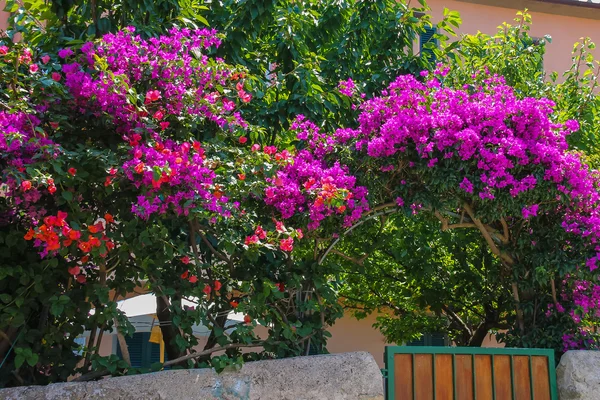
566, 24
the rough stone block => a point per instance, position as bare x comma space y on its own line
334, 376
578, 375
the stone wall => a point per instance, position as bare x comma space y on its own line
578, 375
344, 376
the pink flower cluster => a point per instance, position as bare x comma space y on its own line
179, 85
23, 143
179, 79
308, 185
172, 175
488, 130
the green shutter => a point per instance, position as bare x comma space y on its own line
427, 37
429, 339
417, 342
141, 352
437, 339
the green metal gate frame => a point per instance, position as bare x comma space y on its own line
390, 351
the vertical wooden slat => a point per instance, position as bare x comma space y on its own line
433, 378
493, 380
444, 387
464, 377
414, 373
423, 383
403, 373
483, 369
541, 386
521, 374
502, 377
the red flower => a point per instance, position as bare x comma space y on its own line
52, 189
255, 147
218, 285
34, 68
3, 50
108, 181
96, 228
299, 233
152, 95
84, 246
54, 125
251, 240
234, 304
280, 286
260, 232
85, 259
139, 168
207, 290
29, 234
243, 139
244, 96
56, 76
279, 226
45, 58
80, 278
109, 218
72, 171
74, 270
242, 177
25, 185
341, 209
309, 183
159, 115
193, 279
287, 244
185, 275
164, 125
247, 319
185, 260
74, 235
270, 149
112, 171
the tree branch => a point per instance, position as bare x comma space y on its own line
488, 238
104, 372
359, 261
506, 237
458, 320
216, 252
553, 285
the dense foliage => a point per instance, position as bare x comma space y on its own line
486, 160
297, 52
468, 300
145, 162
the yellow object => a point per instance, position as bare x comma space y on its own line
162, 351
155, 335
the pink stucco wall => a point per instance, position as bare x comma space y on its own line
565, 30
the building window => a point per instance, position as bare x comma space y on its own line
426, 38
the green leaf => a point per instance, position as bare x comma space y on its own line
33, 359
19, 360
68, 196
157, 366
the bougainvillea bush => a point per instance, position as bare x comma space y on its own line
475, 158
126, 167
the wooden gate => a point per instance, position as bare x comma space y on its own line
465, 373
